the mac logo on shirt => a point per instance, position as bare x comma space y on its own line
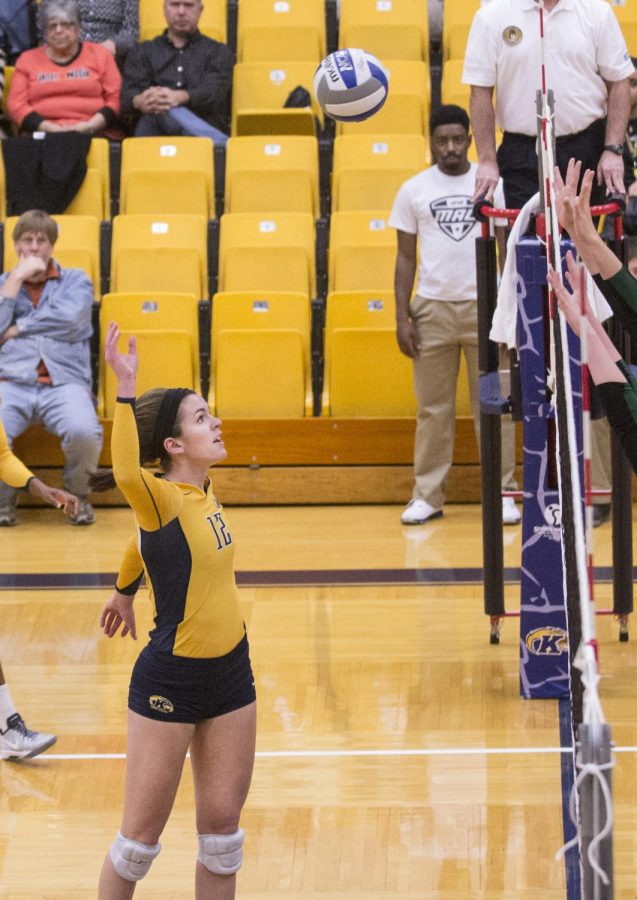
454, 216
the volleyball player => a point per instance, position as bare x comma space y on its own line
16, 740
617, 386
192, 686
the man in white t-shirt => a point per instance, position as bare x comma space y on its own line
435, 210
587, 68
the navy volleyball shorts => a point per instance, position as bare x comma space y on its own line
184, 689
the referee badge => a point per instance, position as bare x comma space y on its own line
512, 35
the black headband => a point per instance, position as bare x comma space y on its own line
166, 418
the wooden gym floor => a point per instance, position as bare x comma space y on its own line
395, 757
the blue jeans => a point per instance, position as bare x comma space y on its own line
177, 121
65, 410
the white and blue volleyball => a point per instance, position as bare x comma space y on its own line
350, 85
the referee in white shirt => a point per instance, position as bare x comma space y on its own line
587, 68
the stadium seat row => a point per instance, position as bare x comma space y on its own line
260, 91
288, 30
281, 173
254, 251
258, 352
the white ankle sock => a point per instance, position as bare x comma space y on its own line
6, 705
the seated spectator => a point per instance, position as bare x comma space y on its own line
180, 82
45, 371
112, 23
66, 84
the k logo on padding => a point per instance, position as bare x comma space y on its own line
454, 216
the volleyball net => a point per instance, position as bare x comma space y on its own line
558, 642
590, 807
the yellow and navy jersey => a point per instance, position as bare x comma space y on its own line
12, 471
186, 550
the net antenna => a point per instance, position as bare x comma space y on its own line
591, 806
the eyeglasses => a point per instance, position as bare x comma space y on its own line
65, 26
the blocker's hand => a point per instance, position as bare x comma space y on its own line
573, 208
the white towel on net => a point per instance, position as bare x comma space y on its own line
503, 326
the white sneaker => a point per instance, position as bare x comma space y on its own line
419, 511
19, 742
510, 512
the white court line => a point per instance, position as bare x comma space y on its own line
335, 754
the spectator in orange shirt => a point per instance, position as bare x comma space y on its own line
66, 84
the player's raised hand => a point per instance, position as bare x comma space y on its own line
124, 365
565, 191
567, 302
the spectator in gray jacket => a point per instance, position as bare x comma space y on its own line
45, 371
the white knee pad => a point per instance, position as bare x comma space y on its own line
131, 859
221, 853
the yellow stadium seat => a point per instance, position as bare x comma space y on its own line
281, 30
160, 253
167, 175
167, 330
77, 246
3, 191
8, 75
89, 200
272, 174
452, 89
365, 372
624, 10
457, 41
406, 110
261, 355
358, 186
212, 22
374, 166
389, 29
260, 90
626, 14
283, 44
362, 251
456, 22
271, 252
629, 30
93, 196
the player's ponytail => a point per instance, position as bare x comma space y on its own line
147, 413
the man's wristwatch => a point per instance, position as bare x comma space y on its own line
617, 149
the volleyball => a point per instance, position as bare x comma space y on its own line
350, 85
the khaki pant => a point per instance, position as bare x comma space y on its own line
445, 328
